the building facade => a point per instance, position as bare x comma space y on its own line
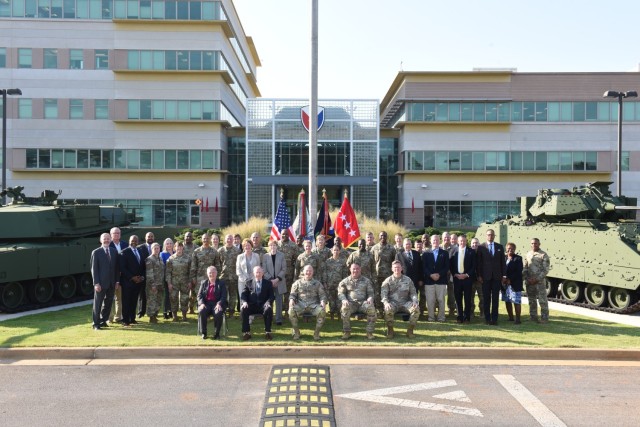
471, 142
129, 102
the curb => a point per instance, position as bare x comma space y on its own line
320, 352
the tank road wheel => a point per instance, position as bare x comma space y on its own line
65, 287
41, 291
551, 285
572, 291
596, 295
85, 284
11, 295
620, 298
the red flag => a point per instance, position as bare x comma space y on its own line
199, 203
206, 208
216, 208
413, 206
346, 225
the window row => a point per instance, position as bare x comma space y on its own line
154, 212
50, 109
147, 109
450, 214
45, 158
501, 160
292, 158
190, 10
175, 60
51, 60
602, 111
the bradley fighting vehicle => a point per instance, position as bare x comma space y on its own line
45, 248
592, 239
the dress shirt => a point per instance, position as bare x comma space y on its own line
211, 292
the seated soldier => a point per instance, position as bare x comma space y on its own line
399, 296
307, 296
356, 295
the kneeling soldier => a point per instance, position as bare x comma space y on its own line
356, 295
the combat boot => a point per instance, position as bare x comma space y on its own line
410, 331
184, 314
390, 333
296, 334
346, 335
153, 319
175, 317
316, 334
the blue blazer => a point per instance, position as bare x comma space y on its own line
469, 262
439, 265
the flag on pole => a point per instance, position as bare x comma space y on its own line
282, 221
346, 226
216, 208
413, 206
206, 207
323, 224
302, 224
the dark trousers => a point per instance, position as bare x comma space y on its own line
167, 299
464, 298
267, 315
102, 305
491, 295
208, 310
142, 300
130, 292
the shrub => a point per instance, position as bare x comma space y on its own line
245, 229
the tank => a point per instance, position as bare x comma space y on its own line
45, 248
592, 239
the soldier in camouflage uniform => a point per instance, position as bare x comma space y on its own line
399, 296
189, 247
370, 241
228, 255
307, 296
290, 251
364, 259
202, 258
383, 255
344, 253
256, 240
307, 258
178, 277
321, 249
536, 267
300, 244
334, 270
155, 283
356, 296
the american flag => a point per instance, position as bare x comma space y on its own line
282, 221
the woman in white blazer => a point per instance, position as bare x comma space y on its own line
245, 263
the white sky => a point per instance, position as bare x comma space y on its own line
364, 43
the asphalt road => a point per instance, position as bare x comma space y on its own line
363, 395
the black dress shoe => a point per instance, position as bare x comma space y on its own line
96, 327
494, 323
216, 336
279, 323
140, 315
134, 322
204, 336
104, 325
268, 336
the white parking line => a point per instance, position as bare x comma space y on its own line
529, 402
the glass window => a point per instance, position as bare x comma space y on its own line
3, 57
528, 160
146, 60
491, 160
553, 111
591, 111
504, 112
120, 159
133, 109
208, 60
415, 160
516, 160
44, 158
208, 160
69, 159
183, 59
57, 159
183, 159
528, 111
195, 60
454, 160
566, 163
195, 161
603, 111
183, 110
429, 112
158, 110
541, 111
429, 162
50, 108
516, 111
158, 60
101, 109
442, 160
158, 159
478, 111
466, 161
491, 112
157, 7
133, 9
133, 60
592, 160
95, 159
467, 112
145, 109
50, 58
76, 59
454, 112
503, 160
32, 158
541, 161
579, 111
565, 111
553, 161
133, 159
24, 58
478, 161
417, 110
196, 110
107, 159
25, 110
169, 159
83, 159
208, 108
183, 10
76, 109
442, 111
579, 161
624, 166
102, 59
628, 111
170, 61
145, 159
171, 110
145, 9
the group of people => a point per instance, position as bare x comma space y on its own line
378, 280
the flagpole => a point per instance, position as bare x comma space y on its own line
313, 113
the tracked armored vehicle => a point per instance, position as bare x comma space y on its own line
592, 239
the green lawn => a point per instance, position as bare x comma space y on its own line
72, 328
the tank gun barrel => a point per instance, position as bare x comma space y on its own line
627, 208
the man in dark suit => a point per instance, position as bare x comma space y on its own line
145, 251
463, 268
212, 299
436, 269
491, 270
411, 261
257, 298
118, 245
132, 266
105, 272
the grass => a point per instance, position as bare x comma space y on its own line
72, 328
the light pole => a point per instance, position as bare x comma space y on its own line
5, 92
620, 95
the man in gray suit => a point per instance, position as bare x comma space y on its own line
106, 272
275, 271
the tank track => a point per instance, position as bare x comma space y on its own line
634, 308
52, 303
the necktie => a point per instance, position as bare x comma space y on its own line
491, 246
257, 287
435, 255
135, 252
461, 261
108, 254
